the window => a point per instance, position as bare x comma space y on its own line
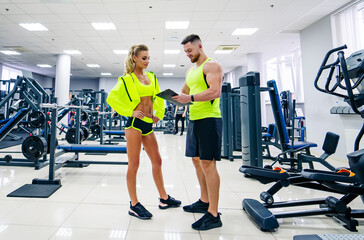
286, 70
9, 73
348, 27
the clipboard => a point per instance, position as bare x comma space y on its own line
168, 94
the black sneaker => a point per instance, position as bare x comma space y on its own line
197, 207
170, 202
139, 211
208, 221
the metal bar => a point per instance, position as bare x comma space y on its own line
304, 213
98, 162
53, 144
296, 203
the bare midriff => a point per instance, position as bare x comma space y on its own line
146, 106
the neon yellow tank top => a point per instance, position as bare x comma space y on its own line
196, 81
142, 89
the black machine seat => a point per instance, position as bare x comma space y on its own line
356, 162
271, 132
330, 144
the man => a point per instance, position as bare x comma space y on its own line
179, 114
202, 88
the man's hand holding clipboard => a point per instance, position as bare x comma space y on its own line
178, 99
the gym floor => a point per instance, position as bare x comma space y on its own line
93, 202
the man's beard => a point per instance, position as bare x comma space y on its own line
193, 60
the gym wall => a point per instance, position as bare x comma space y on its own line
82, 83
172, 83
316, 40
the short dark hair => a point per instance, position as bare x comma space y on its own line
191, 38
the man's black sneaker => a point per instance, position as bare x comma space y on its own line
170, 202
139, 211
208, 221
197, 207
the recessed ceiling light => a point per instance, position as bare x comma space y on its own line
167, 74
92, 65
44, 65
244, 31
169, 65
72, 52
177, 24
106, 74
33, 26
8, 52
121, 51
172, 51
223, 51
104, 26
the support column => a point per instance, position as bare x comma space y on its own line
62, 82
255, 64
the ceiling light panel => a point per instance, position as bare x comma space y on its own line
104, 26
93, 65
244, 31
170, 51
169, 65
106, 74
177, 24
72, 52
121, 51
8, 52
167, 74
44, 65
33, 27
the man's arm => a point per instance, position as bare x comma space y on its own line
185, 89
213, 72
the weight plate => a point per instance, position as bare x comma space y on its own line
71, 136
37, 119
34, 147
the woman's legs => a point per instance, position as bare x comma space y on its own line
151, 147
133, 146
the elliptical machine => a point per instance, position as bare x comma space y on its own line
350, 86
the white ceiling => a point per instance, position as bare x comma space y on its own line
143, 21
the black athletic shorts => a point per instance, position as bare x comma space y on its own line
144, 127
204, 138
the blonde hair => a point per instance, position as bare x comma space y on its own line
133, 51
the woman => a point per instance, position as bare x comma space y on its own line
134, 96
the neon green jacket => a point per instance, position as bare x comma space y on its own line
124, 98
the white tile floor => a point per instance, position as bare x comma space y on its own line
93, 203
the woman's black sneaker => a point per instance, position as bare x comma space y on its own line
197, 207
139, 211
170, 202
207, 221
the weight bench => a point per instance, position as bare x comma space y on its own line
77, 148
114, 132
288, 146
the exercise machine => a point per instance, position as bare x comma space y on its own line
349, 183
